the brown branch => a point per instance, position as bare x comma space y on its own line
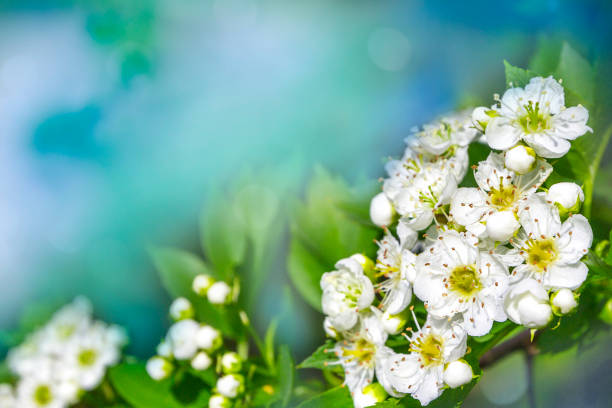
522, 341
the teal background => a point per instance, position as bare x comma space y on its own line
118, 118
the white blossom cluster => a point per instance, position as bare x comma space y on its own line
200, 345
67, 356
506, 249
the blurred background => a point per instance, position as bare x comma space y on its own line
118, 118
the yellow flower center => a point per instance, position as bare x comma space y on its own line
464, 280
503, 197
42, 395
430, 348
541, 253
87, 357
363, 352
534, 120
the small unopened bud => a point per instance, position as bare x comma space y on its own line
208, 338
371, 394
201, 284
231, 362
219, 293
526, 303
393, 324
606, 312
164, 349
567, 197
381, 210
219, 401
159, 368
201, 361
563, 301
502, 225
520, 159
181, 309
366, 263
230, 385
458, 373
182, 337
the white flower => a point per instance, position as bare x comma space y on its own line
231, 362
159, 368
181, 308
421, 373
500, 190
219, 401
451, 131
164, 349
330, 330
230, 385
43, 391
370, 395
201, 361
381, 210
183, 335
537, 116
563, 301
65, 325
219, 293
201, 283
396, 264
7, 396
455, 277
208, 338
520, 159
481, 117
551, 250
526, 303
346, 291
458, 373
566, 196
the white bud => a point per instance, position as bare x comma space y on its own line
329, 328
370, 395
231, 362
566, 196
201, 361
182, 336
201, 284
526, 303
159, 368
219, 401
520, 159
208, 338
381, 210
230, 385
393, 324
563, 301
181, 309
164, 349
458, 373
218, 293
502, 225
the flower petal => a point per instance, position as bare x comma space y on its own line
565, 276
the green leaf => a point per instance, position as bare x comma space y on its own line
546, 58
305, 271
517, 77
578, 77
320, 357
286, 373
134, 385
177, 269
338, 397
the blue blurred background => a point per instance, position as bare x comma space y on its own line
119, 117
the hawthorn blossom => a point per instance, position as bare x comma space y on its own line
526, 303
445, 135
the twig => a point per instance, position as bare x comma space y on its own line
519, 342
530, 352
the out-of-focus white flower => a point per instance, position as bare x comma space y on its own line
397, 265
159, 368
231, 362
43, 391
537, 115
7, 396
201, 361
208, 338
567, 197
183, 336
164, 349
563, 301
526, 303
551, 251
455, 278
449, 132
230, 385
346, 291
201, 284
181, 308
381, 210
219, 293
370, 395
520, 159
458, 373
219, 401
500, 191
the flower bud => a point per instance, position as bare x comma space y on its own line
520, 159
181, 309
201, 361
201, 283
219, 401
164, 349
526, 303
219, 293
458, 373
231, 362
393, 324
567, 197
230, 385
182, 337
381, 210
208, 338
330, 330
606, 312
563, 301
159, 368
370, 395
502, 225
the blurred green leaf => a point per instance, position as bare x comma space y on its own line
305, 272
338, 397
320, 357
578, 77
546, 58
517, 77
286, 373
134, 385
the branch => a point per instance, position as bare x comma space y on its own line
522, 341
